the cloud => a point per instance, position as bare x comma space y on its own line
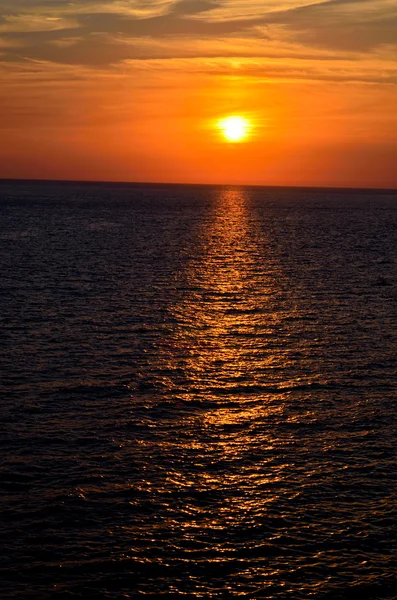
27, 23
131, 8
343, 24
242, 10
104, 33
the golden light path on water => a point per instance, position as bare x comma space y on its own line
218, 345
237, 461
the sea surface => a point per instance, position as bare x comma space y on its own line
198, 392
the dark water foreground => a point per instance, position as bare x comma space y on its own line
198, 393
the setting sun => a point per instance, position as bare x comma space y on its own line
234, 129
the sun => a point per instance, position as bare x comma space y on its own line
235, 128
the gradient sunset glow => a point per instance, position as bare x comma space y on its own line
135, 90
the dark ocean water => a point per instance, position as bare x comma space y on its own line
198, 392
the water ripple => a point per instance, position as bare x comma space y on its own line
198, 393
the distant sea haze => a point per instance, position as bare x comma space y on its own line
198, 392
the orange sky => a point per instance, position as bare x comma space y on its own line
131, 90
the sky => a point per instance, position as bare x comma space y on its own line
133, 90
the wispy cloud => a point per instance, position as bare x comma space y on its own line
98, 32
344, 24
131, 8
27, 23
235, 10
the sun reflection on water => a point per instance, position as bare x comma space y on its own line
227, 311
216, 368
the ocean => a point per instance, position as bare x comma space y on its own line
198, 392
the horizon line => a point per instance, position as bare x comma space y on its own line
195, 184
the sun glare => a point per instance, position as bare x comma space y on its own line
234, 129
